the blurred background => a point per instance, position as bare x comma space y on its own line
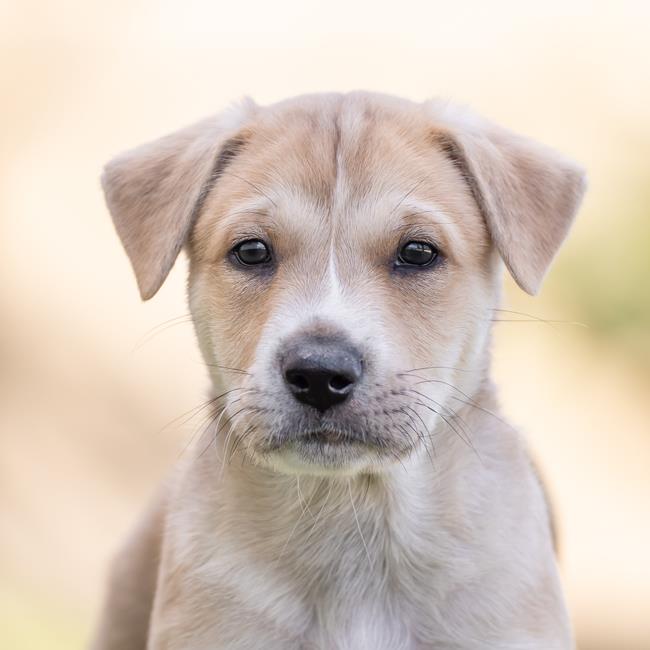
90, 378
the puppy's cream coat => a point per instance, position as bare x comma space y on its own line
408, 516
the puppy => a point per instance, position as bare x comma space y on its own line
356, 488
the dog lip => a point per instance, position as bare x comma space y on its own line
329, 436
320, 437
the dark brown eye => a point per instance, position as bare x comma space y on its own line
251, 252
417, 253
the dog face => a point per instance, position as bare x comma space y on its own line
344, 264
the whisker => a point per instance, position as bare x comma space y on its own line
469, 402
531, 318
216, 365
478, 407
356, 518
301, 500
160, 328
231, 428
450, 412
203, 426
188, 415
427, 433
409, 422
257, 188
320, 511
449, 424
293, 530
415, 187
407, 372
396, 456
467, 440
238, 440
232, 434
399, 426
216, 416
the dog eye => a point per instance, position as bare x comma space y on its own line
252, 251
417, 253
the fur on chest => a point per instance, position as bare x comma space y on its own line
335, 565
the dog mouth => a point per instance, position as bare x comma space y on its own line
323, 449
320, 439
329, 437
331, 447
369, 437
326, 438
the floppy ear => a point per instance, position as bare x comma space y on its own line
528, 194
155, 192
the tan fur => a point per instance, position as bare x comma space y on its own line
133, 583
437, 534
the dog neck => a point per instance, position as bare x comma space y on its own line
270, 503
350, 539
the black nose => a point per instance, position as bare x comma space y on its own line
321, 371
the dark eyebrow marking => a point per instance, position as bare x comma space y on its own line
230, 149
454, 153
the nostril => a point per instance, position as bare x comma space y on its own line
339, 383
297, 380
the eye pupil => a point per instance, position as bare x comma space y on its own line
252, 251
417, 253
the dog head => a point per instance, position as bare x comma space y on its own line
344, 263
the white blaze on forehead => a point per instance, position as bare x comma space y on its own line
334, 282
339, 198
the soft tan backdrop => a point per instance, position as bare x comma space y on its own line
86, 386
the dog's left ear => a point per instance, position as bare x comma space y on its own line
528, 194
155, 192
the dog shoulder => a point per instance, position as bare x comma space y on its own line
132, 582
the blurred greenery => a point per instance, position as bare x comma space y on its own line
605, 280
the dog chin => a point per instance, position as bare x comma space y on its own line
323, 457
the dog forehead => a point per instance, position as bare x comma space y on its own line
314, 141
339, 163
344, 153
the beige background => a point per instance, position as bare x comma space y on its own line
87, 387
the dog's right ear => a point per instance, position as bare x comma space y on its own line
155, 192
